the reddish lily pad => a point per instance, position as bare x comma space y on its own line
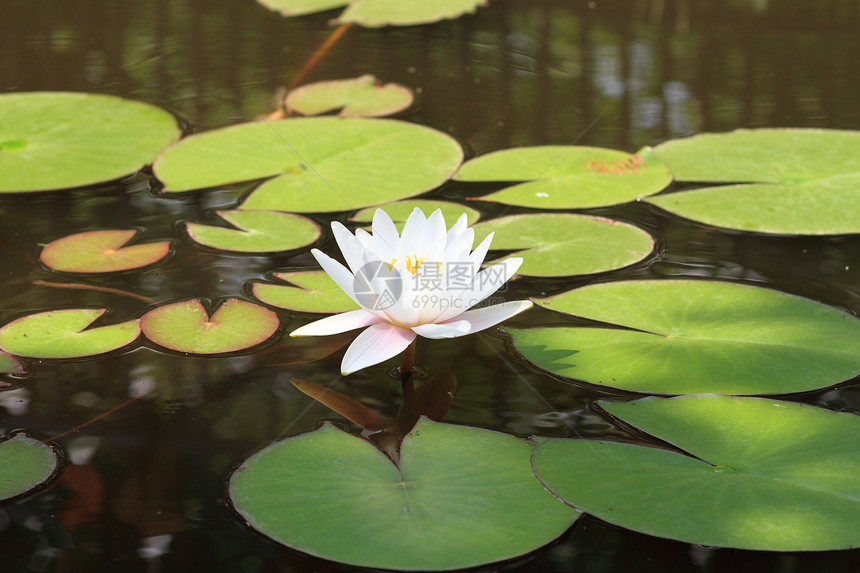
187, 327
101, 252
358, 97
259, 232
315, 291
61, 334
10, 364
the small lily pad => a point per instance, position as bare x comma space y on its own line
61, 334
359, 97
558, 177
317, 164
186, 326
10, 364
260, 232
101, 252
401, 210
314, 292
690, 337
795, 181
461, 497
767, 475
27, 464
376, 13
554, 245
58, 140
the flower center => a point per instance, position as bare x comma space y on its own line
409, 263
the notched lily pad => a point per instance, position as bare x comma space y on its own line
554, 245
767, 475
376, 13
690, 337
101, 252
364, 96
10, 364
186, 326
58, 140
27, 464
257, 232
461, 497
401, 210
64, 334
314, 291
568, 177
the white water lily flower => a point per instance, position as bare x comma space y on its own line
419, 283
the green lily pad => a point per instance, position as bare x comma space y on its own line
57, 140
376, 13
559, 177
27, 464
186, 326
555, 245
318, 164
693, 337
10, 364
260, 232
314, 292
766, 475
461, 497
401, 210
101, 252
797, 181
61, 334
364, 96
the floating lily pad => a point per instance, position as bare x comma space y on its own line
565, 177
766, 475
461, 497
315, 291
10, 364
186, 326
101, 252
260, 232
57, 140
359, 97
61, 334
401, 210
798, 181
376, 13
27, 464
319, 164
554, 245
691, 337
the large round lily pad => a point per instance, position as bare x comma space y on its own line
559, 177
689, 337
554, 245
257, 232
376, 13
796, 181
314, 291
766, 475
364, 96
57, 140
461, 497
64, 334
27, 464
187, 327
101, 252
317, 164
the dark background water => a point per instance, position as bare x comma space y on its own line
620, 73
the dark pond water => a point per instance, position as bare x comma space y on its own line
621, 74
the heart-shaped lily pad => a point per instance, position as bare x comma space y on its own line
10, 364
461, 497
401, 210
261, 232
796, 181
314, 292
558, 177
187, 327
554, 245
690, 337
766, 475
61, 334
358, 97
27, 464
57, 140
318, 164
376, 13
101, 252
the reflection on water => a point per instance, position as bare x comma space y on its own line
143, 489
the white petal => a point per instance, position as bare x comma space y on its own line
339, 273
488, 316
449, 330
377, 343
477, 256
352, 249
413, 231
483, 285
385, 235
338, 323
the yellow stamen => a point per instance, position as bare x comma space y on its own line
409, 266
391, 265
